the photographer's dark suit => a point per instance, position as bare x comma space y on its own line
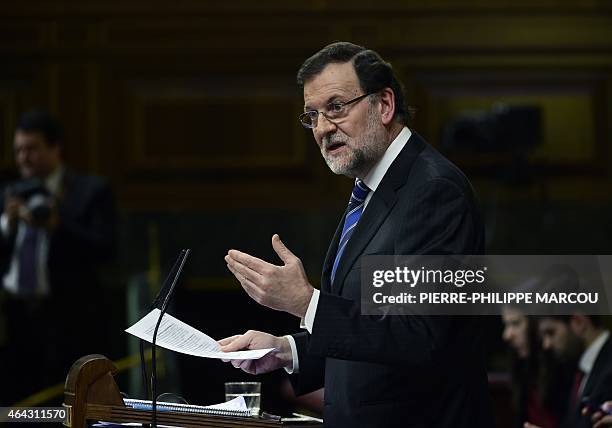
399, 371
54, 330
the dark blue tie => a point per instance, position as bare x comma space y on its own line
354, 210
28, 266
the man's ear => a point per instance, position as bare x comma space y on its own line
387, 106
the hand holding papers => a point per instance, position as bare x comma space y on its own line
177, 336
251, 340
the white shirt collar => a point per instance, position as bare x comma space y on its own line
54, 180
587, 360
376, 174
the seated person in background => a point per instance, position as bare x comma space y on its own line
56, 229
541, 384
582, 337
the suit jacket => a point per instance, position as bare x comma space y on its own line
597, 389
85, 235
392, 371
73, 318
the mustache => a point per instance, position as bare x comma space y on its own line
330, 140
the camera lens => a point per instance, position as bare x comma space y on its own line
40, 208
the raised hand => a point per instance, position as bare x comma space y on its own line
284, 288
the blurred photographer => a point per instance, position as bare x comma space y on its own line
56, 228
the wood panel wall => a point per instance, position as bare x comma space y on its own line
192, 104
190, 107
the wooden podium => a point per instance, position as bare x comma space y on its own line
91, 393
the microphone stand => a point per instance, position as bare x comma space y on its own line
162, 291
163, 309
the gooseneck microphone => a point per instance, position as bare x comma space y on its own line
161, 295
164, 306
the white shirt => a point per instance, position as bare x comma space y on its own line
587, 360
10, 280
372, 180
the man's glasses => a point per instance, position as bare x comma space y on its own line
333, 111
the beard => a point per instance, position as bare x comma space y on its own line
360, 153
572, 350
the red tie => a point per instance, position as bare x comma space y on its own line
576, 389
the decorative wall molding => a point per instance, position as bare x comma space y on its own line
171, 100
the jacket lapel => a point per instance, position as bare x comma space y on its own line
378, 208
69, 197
330, 256
600, 365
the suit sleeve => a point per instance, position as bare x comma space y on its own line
312, 368
7, 245
438, 219
91, 229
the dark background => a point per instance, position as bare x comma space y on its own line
190, 108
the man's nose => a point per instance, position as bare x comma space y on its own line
506, 334
324, 126
22, 156
546, 343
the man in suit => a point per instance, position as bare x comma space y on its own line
386, 371
581, 338
57, 227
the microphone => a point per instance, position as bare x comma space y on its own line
164, 307
161, 302
163, 291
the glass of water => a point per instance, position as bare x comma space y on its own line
251, 391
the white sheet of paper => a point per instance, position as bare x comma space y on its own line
237, 403
177, 336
